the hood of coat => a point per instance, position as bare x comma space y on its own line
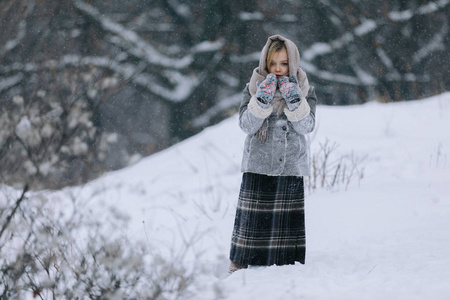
292, 51
260, 73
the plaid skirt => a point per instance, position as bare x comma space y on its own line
269, 226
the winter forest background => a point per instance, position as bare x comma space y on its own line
120, 150
92, 86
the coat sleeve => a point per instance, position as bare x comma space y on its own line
251, 114
303, 119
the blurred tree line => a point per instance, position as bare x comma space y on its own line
88, 86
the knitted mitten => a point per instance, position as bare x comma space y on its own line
265, 90
290, 91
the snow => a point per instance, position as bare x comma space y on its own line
321, 48
288, 18
208, 46
141, 48
10, 81
181, 9
251, 16
365, 27
430, 7
326, 75
20, 35
386, 60
21, 30
365, 77
229, 103
25, 131
385, 237
399, 16
183, 87
318, 48
368, 25
252, 57
435, 44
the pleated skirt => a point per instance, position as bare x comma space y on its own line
269, 226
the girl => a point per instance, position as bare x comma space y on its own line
276, 112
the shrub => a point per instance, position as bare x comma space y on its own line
331, 171
55, 247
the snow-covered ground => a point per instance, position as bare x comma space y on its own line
384, 237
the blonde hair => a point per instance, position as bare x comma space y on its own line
275, 46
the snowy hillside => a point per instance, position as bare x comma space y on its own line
385, 237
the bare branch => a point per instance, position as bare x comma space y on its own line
13, 212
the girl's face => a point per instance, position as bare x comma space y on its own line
279, 65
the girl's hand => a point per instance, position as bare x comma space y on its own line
265, 90
290, 91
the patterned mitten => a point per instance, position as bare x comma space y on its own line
290, 91
265, 90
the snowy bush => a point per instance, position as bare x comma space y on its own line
49, 139
53, 247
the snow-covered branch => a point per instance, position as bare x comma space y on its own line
8, 82
363, 78
131, 41
228, 103
387, 62
337, 13
208, 46
320, 48
252, 57
251, 16
182, 10
409, 77
183, 86
329, 76
367, 26
406, 15
11, 44
22, 27
434, 44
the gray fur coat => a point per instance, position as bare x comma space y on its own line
285, 151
